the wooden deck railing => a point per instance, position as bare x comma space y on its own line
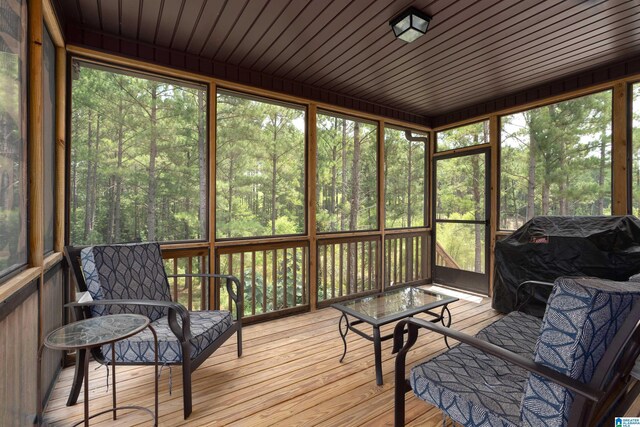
192, 292
443, 259
405, 258
274, 276
347, 266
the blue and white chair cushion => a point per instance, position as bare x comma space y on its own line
476, 389
133, 271
136, 272
581, 320
206, 327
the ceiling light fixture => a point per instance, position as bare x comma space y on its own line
410, 24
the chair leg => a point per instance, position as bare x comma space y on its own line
77, 379
239, 338
186, 379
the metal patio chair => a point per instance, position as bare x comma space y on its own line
131, 278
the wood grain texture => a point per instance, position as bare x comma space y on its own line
60, 148
18, 358
288, 375
343, 52
35, 138
52, 315
620, 149
311, 175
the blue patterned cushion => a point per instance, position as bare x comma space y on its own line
516, 332
582, 317
474, 388
131, 271
206, 327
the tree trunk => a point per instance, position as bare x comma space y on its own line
153, 154
475, 180
202, 163
87, 182
601, 172
545, 196
94, 179
274, 170
343, 192
531, 183
355, 203
117, 214
230, 200
409, 182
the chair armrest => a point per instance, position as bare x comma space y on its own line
414, 324
183, 334
230, 280
525, 285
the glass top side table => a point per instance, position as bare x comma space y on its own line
95, 332
386, 307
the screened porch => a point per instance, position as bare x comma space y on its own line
304, 149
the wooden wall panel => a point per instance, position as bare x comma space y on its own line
18, 358
52, 318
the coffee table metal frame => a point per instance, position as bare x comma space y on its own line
88, 347
344, 325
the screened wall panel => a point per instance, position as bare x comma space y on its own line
49, 135
556, 160
347, 164
139, 163
260, 167
635, 150
13, 143
404, 179
463, 136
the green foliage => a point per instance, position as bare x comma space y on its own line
260, 168
404, 180
13, 182
463, 136
556, 160
138, 158
346, 187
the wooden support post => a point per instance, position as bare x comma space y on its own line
381, 205
35, 152
620, 149
494, 141
60, 147
36, 148
312, 151
212, 193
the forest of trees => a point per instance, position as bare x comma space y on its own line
260, 167
139, 167
13, 174
138, 157
405, 179
556, 160
460, 190
347, 190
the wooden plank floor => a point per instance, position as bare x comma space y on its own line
289, 375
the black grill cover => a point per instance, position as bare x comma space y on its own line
548, 247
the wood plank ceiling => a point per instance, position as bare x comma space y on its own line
474, 51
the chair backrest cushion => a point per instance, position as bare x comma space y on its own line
130, 271
582, 317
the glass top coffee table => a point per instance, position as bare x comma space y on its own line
387, 307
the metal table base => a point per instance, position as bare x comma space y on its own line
344, 326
